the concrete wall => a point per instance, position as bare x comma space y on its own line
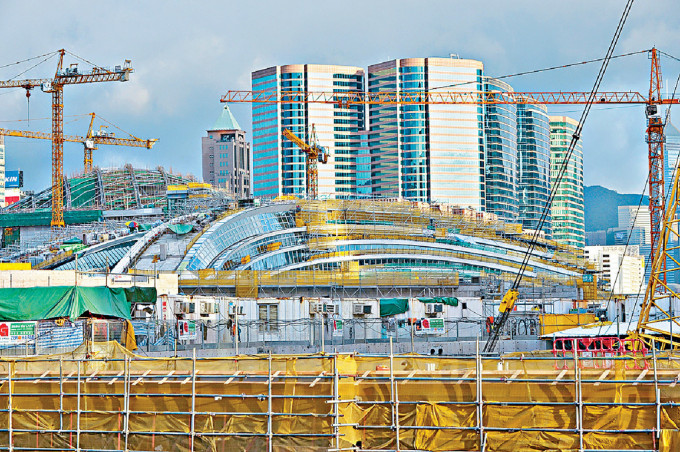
165, 283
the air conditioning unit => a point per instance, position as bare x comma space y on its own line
362, 309
184, 307
322, 308
234, 311
434, 308
208, 308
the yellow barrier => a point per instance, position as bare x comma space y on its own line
552, 323
102, 397
248, 280
15, 265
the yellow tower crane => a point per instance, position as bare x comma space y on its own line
55, 85
314, 153
90, 141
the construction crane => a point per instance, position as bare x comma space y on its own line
654, 137
314, 153
55, 86
97, 137
90, 141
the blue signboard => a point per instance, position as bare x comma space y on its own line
14, 179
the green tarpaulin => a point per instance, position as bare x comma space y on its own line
72, 241
451, 301
392, 306
39, 303
43, 217
181, 229
145, 227
141, 294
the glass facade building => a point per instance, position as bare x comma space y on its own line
568, 220
533, 165
500, 129
278, 164
430, 153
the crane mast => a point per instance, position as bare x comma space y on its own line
314, 153
655, 142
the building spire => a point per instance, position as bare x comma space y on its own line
226, 121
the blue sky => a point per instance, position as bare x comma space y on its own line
187, 54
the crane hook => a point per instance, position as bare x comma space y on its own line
28, 105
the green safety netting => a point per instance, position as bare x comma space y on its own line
38, 303
43, 217
392, 306
451, 301
181, 229
140, 294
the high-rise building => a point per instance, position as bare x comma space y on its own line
637, 222
431, 153
635, 229
622, 267
568, 218
533, 166
500, 129
226, 156
278, 164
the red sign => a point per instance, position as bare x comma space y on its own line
4, 329
11, 200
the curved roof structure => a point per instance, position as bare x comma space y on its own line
363, 236
107, 189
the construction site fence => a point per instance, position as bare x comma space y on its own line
47, 337
103, 398
316, 334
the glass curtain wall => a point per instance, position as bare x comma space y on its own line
500, 129
533, 154
568, 220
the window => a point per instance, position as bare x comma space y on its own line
268, 314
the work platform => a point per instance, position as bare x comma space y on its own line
101, 397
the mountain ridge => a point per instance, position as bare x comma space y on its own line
601, 206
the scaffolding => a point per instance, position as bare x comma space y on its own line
329, 221
102, 398
107, 189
